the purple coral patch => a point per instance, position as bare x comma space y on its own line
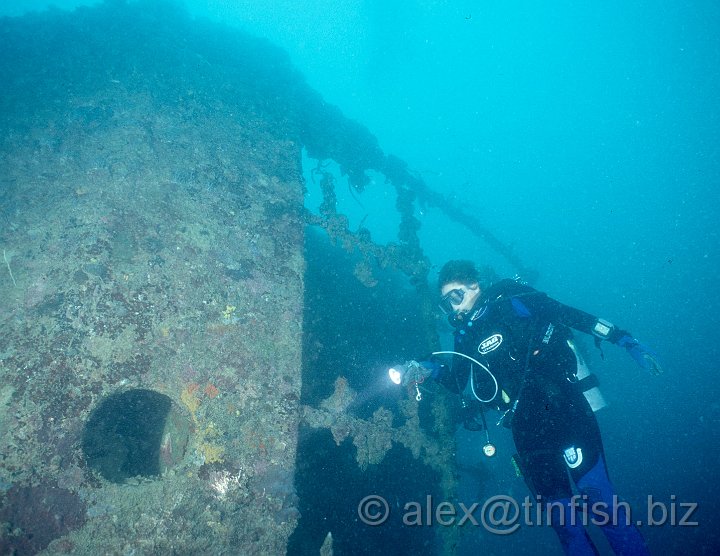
36, 516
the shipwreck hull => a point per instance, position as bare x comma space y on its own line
152, 292
150, 244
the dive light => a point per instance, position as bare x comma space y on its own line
395, 375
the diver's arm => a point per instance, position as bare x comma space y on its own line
602, 330
444, 375
444, 370
581, 321
431, 367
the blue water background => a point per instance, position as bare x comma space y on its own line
586, 135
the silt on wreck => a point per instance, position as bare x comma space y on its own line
152, 288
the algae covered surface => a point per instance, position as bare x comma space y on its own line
152, 238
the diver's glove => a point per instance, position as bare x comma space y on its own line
643, 355
416, 372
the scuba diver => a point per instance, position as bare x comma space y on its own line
514, 352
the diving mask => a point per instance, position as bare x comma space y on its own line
451, 299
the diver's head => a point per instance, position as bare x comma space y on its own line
459, 283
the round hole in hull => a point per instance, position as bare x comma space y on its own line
135, 433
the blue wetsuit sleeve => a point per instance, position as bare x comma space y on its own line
434, 367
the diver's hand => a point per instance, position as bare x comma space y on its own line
643, 355
414, 372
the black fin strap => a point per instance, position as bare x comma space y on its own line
588, 383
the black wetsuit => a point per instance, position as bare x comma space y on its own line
521, 338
